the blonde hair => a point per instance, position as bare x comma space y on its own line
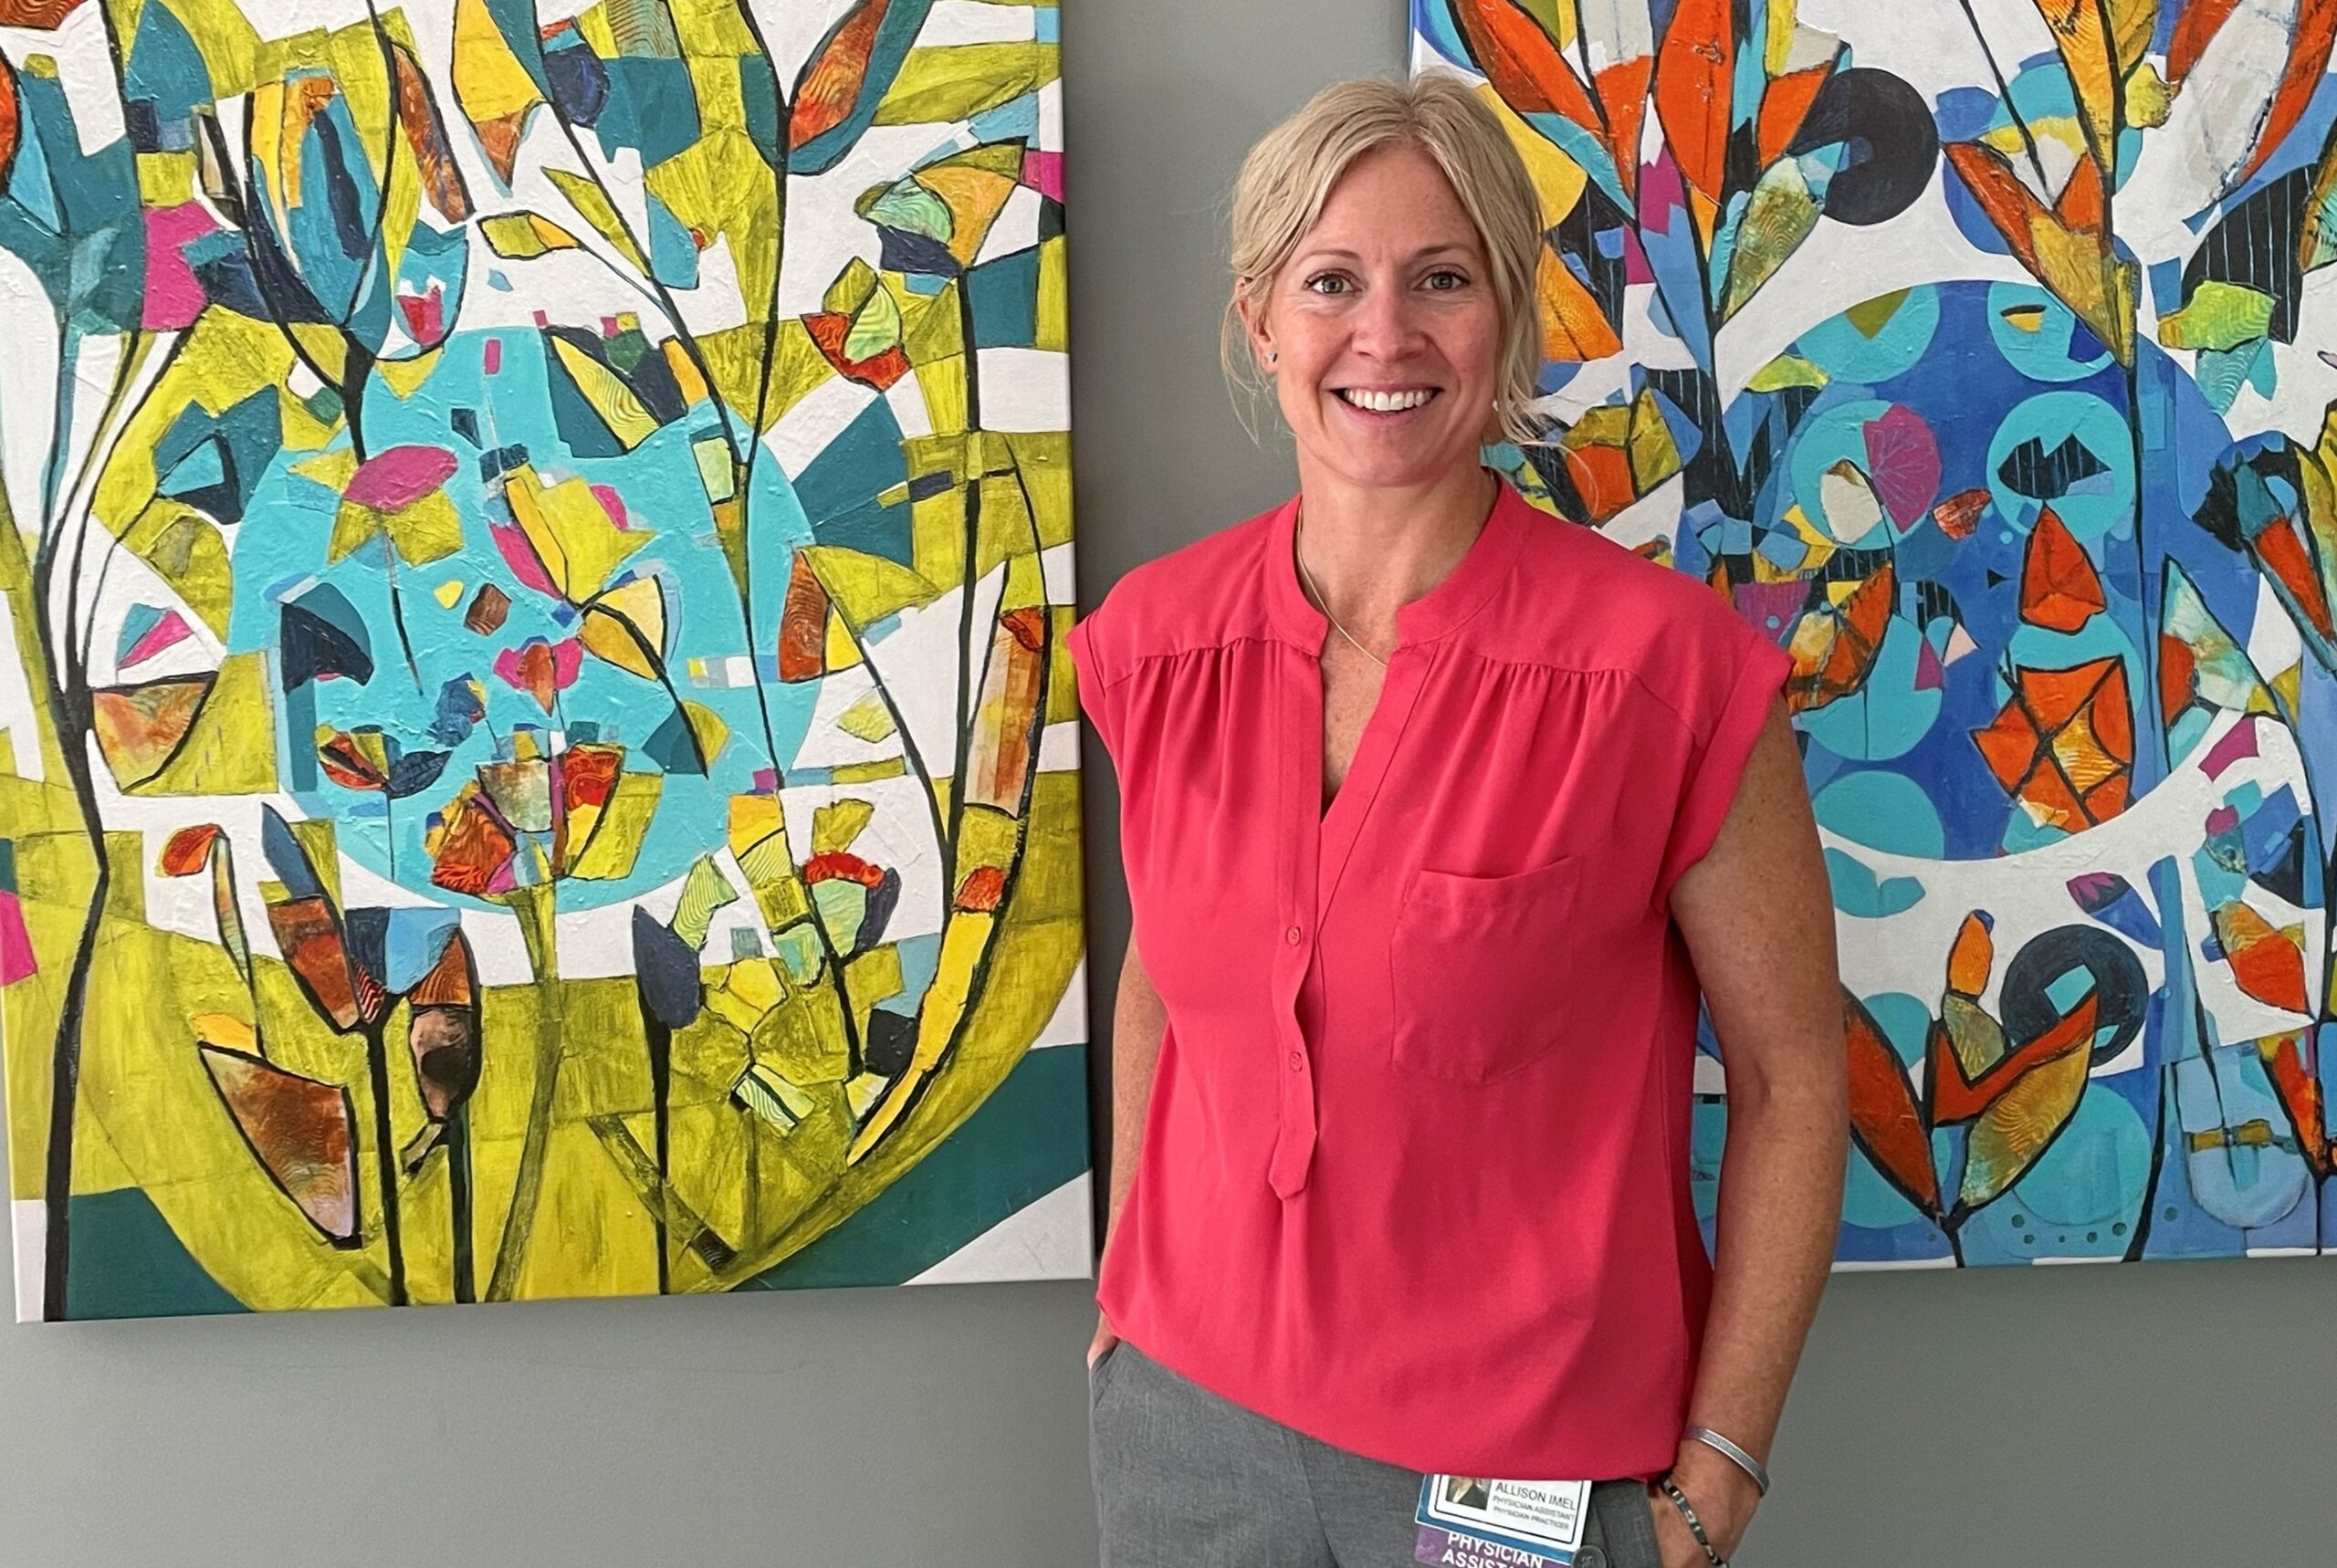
1289, 175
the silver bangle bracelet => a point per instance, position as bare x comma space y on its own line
1742, 1460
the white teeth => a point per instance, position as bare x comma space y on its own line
1386, 401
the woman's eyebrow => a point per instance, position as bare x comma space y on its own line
1334, 252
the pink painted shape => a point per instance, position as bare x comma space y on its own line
2223, 819
2238, 742
614, 505
1770, 608
426, 316
170, 630
521, 557
1662, 193
1042, 172
494, 356
174, 296
394, 479
1902, 459
1636, 268
1930, 677
17, 961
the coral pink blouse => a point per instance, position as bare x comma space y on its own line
1415, 1177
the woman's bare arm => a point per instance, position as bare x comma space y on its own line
1139, 1022
1758, 917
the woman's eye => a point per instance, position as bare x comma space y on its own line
1327, 283
1446, 282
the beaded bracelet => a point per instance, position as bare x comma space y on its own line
1695, 1526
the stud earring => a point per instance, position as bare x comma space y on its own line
1273, 357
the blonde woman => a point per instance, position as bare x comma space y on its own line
1438, 815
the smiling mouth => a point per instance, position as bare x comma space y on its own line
1371, 402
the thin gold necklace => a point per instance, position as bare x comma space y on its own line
1298, 553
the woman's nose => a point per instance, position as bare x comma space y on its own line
1389, 325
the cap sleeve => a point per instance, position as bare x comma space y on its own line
1725, 708
1089, 642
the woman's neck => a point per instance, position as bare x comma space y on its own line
1371, 549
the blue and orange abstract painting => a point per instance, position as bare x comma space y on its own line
1981, 352
539, 758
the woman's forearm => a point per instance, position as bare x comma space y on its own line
1780, 1197
1139, 1023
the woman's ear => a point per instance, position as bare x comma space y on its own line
1255, 328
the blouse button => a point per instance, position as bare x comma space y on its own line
1297, 1062
1292, 936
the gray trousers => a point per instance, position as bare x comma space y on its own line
1186, 1480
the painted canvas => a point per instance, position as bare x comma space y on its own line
1983, 354
539, 756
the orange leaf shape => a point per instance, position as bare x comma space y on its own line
189, 850
2299, 1092
1523, 64
2200, 22
803, 626
1956, 1097
831, 86
2289, 558
40, 15
300, 1130
2309, 53
1883, 1119
1972, 957
1692, 77
1574, 328
310, 938
2267, 960
2059, 589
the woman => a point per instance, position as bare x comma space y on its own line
1437, 813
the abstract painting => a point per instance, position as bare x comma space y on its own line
539, 756
1983, 352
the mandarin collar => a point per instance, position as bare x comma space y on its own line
1434, 615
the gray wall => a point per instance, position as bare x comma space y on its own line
2051, 1416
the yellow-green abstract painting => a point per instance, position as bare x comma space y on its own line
534, 551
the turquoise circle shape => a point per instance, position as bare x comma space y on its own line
1835, 435
1848, 351
1887, 716
2094, 508
1886, 812
2045, 354
2096, 1169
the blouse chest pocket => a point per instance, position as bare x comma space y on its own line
1484, 970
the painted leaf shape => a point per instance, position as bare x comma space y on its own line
627, 626
2014, 1133
1693, 73
425, 136
140, 728
300, 1131
1526, 67
1885, 1122
443, 1029
845, 78
188, 849
2060, 248
492, 87
11, 120
2082, 32
310, 938
2309, 52
2194, 31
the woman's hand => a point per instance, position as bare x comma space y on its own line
1722, 1496
1104, 1340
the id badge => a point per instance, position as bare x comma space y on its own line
1472, 1522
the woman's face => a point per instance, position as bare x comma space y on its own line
1381, 332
